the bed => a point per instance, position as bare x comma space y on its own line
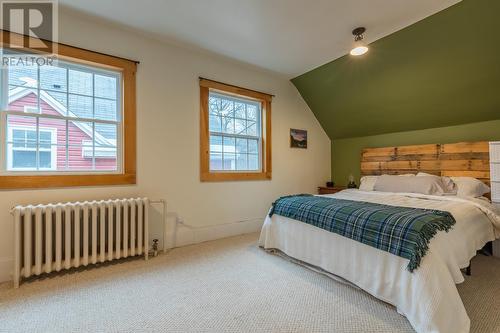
428, 296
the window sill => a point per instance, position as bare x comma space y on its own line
234, 176
27, 182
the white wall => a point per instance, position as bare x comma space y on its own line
168, 139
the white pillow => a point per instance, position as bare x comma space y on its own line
470, 187
449, 185
423, 185
367, 183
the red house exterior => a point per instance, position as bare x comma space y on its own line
79, 134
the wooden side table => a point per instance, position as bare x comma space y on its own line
330, 190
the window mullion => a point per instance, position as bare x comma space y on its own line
37, 159
4, 91
66, 164
38, 89
237, 136
93, 146
100, 121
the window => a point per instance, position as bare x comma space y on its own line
24, 153
71, 123
80, 104
235, 133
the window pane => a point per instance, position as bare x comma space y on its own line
19, 127
80, 106
22, 159
239, 110
105, 150
252, 112
253, 162
227, 108
215, 143
80, 82
241, 146
21, 98
229, 161
54, 103
240, 127
215, 124
23, 76
45, 159
31, 139
105, 134
105, 153
19, 138
252, 128
53, 78
80, 158
228, 125
105, 109
215, 161
60, 152
105, 86
214, 105
106, 163
52, 131
80, 133
229, 145
242, 161
253, 146
45, 140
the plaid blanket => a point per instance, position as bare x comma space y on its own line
405, 232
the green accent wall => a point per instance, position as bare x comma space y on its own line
436, 81
441, 71
346, 153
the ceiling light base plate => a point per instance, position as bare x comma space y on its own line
359, 31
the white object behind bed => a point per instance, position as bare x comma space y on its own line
495, 184
495, 171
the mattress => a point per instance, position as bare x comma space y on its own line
428, 297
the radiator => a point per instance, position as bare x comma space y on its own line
54, 237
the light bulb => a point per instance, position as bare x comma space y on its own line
359, 49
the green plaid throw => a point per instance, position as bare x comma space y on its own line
405, 232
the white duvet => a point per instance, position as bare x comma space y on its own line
428, 297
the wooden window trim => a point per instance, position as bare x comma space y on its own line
265, 99
127, 176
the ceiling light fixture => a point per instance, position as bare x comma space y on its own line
359, 47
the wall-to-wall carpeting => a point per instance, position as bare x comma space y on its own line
440, 73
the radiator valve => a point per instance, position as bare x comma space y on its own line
155, 247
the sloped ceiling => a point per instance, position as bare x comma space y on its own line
290, 37
441, 71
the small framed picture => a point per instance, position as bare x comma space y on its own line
298, 138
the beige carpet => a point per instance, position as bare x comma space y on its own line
223, 286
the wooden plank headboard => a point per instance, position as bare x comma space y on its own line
469, 159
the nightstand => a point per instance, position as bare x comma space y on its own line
330, 190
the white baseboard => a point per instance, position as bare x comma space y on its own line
6, 265
188, 236
184, 236
496, 248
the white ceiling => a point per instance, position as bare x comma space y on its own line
286, 36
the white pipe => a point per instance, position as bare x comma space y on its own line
163, 202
